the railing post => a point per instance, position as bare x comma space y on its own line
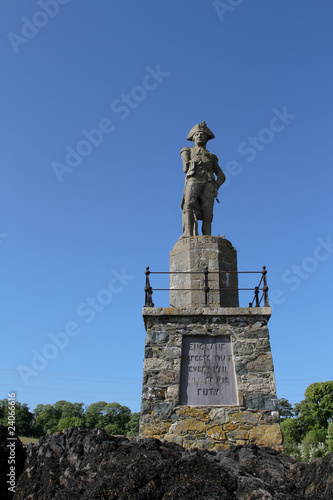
256, 295
206, 287
148, 290
265, 287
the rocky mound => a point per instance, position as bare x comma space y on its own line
84, 464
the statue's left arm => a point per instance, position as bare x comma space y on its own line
220, 177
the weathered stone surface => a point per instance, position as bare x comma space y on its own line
261, 401
219, 415
163, 410
263, 363
193, 255
245, 417
246, 331
266, 435
190, 425
239, 434
160, 428
201, 412
217, 433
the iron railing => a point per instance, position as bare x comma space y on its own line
262, 286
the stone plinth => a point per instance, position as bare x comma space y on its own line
193, 255
208, 378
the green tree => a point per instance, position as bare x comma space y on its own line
285, 409
47, 418
112, 417
70, 415
132, 426
308, 434
57, 417
94, 416
313, 444
316, 410
292, 431
69, 422
23, 417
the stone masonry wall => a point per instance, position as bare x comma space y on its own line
254, 419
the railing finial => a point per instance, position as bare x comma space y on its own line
265, 287
148, 290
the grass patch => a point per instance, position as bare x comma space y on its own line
27, 440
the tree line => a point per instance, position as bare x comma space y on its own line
48, 419
307, 427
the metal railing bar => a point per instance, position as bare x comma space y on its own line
202, 289
202, 272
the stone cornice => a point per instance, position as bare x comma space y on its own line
208, 311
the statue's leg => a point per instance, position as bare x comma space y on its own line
207, 202
206, 228
190, 224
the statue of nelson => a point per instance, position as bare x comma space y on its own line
203, 179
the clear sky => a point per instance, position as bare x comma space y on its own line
97, 98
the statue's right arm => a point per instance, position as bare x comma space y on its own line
185, 154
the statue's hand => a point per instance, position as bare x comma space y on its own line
197, 160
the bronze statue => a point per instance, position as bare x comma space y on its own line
201, 186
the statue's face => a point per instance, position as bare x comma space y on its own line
200, 138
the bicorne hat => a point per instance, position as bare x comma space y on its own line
201, 127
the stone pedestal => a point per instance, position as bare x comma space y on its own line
208, 378
193, 255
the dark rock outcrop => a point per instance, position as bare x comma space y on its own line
84, 464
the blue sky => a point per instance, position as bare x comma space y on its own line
97, 99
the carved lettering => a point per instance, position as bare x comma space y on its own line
207, 374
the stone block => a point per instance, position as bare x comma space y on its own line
201, 443
261, 401
216, 433
173, 392
174, 438
190, 425
266, 435
245, 417
159, 338
192, 255
238, 434
263, 363
219, 415
163, 410
154, 428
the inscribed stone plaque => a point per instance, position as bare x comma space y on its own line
207, 371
